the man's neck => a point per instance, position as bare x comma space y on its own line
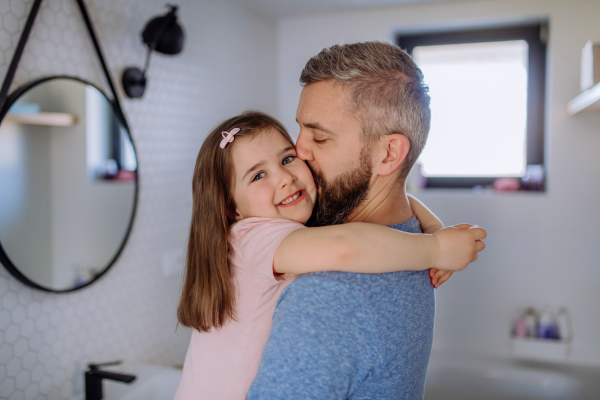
386, 204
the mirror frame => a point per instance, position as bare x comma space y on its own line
4, 259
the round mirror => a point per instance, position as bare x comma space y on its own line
68, 184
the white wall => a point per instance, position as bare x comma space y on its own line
228, 64
542, 248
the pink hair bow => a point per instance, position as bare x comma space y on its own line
228, 137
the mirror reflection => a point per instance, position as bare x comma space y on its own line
68, 184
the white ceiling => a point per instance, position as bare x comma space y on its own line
290, 8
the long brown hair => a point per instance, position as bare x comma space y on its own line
208, 295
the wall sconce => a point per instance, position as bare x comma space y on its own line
162, 34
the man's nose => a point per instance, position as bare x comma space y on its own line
303, 147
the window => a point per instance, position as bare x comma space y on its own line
487, 92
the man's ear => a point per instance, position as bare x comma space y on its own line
392, 151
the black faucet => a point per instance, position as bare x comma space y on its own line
94, 377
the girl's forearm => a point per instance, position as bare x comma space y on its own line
430, 223
381, 249
355, 247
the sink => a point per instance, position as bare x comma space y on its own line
152, 382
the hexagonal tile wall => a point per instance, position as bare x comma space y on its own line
47, 339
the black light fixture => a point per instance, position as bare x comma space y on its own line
162, 34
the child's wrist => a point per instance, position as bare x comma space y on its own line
436, 250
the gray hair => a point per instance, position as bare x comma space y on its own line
386, 88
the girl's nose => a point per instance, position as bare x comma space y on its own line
286, 178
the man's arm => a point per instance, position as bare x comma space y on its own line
322, 344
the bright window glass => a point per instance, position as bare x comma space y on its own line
479, 109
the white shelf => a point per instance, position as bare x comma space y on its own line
586, 101
540, 349
42, 118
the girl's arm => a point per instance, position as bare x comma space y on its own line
430, 223
428, 220
369, 248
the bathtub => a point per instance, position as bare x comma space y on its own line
475, 377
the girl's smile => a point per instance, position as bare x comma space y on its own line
294, 199
269, 180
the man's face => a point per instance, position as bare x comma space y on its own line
329, 141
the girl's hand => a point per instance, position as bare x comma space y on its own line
438, 277
458, 246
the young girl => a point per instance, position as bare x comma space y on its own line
251, 197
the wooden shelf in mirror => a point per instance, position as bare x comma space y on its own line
42, 118
586, 101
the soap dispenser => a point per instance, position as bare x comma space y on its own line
564, 324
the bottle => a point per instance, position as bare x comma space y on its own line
520, 328
547, 328
564, 325
530, 319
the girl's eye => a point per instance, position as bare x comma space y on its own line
287, 160
258, 176
319, 141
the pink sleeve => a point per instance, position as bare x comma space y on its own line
255, 241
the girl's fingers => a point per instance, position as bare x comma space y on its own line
479, 233
479, 246
462, 226
440, 277
433, 276
444, 278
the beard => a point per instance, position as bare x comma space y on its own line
337, 199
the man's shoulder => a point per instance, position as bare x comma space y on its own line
341, 283
352, 281
411, 225
336, 286
371, 291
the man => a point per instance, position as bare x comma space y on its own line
364, 118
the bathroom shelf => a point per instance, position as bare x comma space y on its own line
42, 118
540, 349
586, 101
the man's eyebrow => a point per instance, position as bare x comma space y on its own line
317, 126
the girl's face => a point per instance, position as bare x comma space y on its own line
269, 180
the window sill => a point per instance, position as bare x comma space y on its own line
475, 192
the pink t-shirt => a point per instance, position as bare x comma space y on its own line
221, 364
